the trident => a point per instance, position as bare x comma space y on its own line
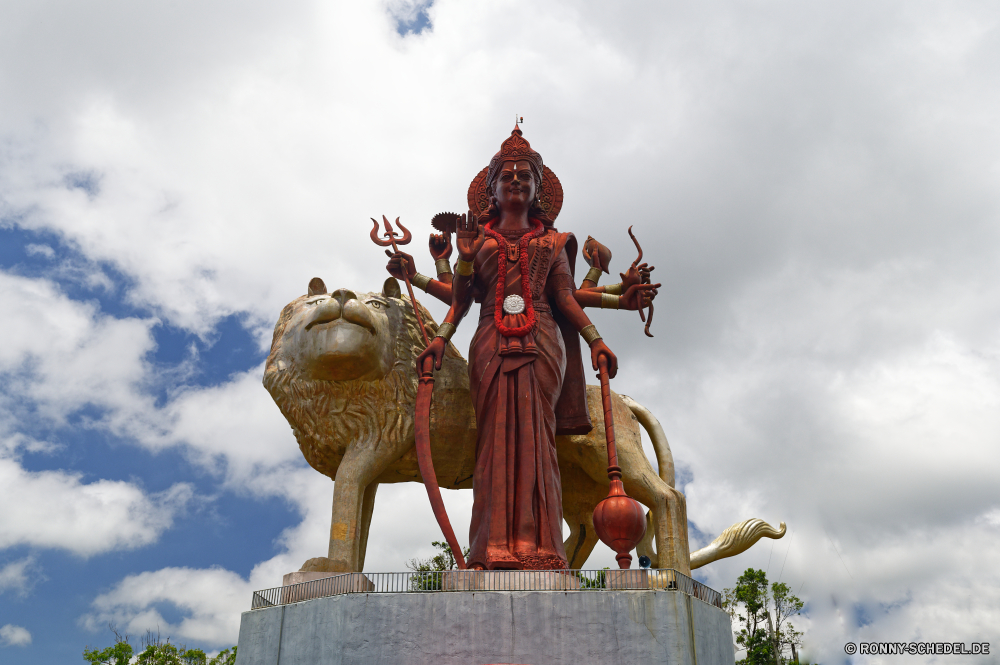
393, 242
425, 393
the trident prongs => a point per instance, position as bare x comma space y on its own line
393, 239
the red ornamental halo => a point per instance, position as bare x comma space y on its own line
550, 196
529, 305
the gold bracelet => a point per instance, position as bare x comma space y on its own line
614, 289
590, 334
442, 266
421, 282
593, 275
609, 301
446, 330
465, 268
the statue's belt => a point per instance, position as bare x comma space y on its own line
487, 309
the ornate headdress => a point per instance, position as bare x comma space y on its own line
516, 148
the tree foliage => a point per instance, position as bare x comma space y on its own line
763, 615
431, 569
154, 652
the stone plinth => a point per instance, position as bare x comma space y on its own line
630, 578
499, 580
600, 627
294, 588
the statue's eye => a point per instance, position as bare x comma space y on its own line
375, 303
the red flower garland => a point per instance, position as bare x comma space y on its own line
529, 305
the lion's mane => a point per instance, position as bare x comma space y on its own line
328, 417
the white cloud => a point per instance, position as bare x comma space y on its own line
816, 184
61, 354
211, 600
18, 576
17, 636
41, 250
56, 509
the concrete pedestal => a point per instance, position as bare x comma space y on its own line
293, 590
514, 580
620, 627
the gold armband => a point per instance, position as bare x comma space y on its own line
421, 282
593, 275
465, 268
609, 301
590, 334
614, 289
446, 330
442, 266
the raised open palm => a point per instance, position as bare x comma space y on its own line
470, 236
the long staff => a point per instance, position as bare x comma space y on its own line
425, 394
618, 518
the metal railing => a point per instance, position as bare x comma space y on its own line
499, 580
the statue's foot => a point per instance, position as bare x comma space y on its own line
322, 564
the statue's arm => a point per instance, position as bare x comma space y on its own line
599, 297
470, 240
435, 287
562, 292
440, 248
440, 290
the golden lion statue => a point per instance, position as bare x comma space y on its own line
341, 369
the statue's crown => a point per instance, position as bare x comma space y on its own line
515, 148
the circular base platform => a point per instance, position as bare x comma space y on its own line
483, 627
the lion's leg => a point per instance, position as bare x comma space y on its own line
582, 538
358, 469
668, 520
345, 518
667, 507
367, 506
579, 494
645, 546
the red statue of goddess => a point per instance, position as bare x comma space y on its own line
525, 365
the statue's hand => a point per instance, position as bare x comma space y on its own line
395, 265
435, 350
639, 274
599, 348
596, 255
638, 293
471, 237
440, 245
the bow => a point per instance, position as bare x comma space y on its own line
425, 394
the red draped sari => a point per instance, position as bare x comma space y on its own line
524, 389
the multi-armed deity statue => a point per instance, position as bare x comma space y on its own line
529, 451
525, 369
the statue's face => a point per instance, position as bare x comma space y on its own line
515, 185
343, 335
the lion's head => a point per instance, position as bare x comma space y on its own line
342, 371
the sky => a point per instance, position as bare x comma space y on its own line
815, 183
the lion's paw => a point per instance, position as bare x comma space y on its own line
319, 564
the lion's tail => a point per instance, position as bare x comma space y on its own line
737, 538
734, 540
664, 458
